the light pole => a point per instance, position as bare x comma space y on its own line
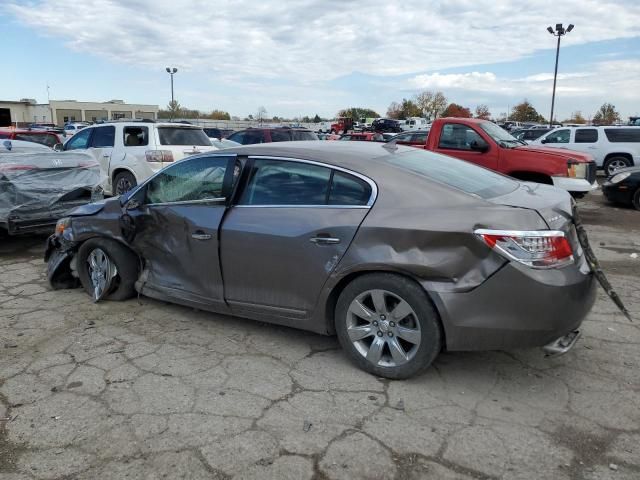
559, 32
172, 71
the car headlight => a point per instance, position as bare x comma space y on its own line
617, 178
63, 228
576, 169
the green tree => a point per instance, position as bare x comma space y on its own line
317, 119
606, 115
219, 115
173, 110
482, 112
357, 113
525, 112
455, 110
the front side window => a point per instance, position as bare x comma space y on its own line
586, 135
192, 180
103, 137
135, 136
280, 182
558, 136
79, 141
251, 137
419, 138
458, 137
183, 136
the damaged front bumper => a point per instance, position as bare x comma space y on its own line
58, 255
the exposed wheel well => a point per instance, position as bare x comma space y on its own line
332, 299
624, 155
120, 170
532, 177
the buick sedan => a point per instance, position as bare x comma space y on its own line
402, 253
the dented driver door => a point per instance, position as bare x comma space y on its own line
176, 230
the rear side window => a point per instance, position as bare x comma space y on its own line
619, 135
280, 135
42, 138
183, 136
455, 173
348, 190
103, 137
302, 135
135, 136
279, 182
586, 135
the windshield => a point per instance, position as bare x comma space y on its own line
455, 173
500, 135
183, 136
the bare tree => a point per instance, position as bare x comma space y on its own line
262, 114
482, 112
431, 103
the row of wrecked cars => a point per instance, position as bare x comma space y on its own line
38, 185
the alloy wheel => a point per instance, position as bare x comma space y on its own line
615, 165
101, 272
123, 185
383, 328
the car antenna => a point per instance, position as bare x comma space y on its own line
391, 145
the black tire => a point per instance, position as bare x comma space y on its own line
123, 182
635, 201
126, 262
424, 316
618, 161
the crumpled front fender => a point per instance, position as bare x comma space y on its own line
58, 260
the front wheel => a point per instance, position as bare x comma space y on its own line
615, 163
387, 325
107, 269
635, 201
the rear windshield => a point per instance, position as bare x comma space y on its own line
619, 135
455, 173
183, 136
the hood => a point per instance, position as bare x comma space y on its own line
553, 204
92, 208
635, 169
537, 150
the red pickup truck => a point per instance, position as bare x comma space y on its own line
486, 144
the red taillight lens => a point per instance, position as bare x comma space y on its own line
159, 156
536, 249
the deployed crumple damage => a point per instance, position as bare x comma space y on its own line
37, 188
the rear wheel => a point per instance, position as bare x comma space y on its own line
636, 199
387, 325
107, 270
123, 182
614, 163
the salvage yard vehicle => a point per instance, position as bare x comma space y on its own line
386, 125
623, 186
611, 147
402, 253
130, 151
486, 144
415, 123
255, 135
38, 186
50, 139
342, 125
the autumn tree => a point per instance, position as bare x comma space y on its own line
404, 110
394, 111
482, 112
431, 104
219, 115
525, 112
576, 117
606, 115
455, 110
357, 113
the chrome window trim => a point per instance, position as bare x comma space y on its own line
186, 202
365, 207
372, 184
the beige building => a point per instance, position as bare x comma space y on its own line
20, 113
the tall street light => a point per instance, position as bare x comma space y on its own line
559, 32
171, 71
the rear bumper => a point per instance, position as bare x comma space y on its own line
517, 307
615, 192
575, 184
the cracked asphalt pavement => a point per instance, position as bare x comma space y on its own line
144, 389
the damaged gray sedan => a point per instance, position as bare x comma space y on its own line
401, 253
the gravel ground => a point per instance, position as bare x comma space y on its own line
143, 389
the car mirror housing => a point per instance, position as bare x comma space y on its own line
479, 146
58, 147
544, 140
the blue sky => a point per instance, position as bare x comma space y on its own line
318, 57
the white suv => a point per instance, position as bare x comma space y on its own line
611, 147
129, 152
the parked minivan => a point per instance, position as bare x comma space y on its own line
611, 147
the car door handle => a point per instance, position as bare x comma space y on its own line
106, 155
200, 235
324, 240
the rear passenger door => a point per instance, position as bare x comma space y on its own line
101, 146
586, 140
286, 232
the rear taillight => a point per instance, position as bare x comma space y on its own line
159, 156
536, 249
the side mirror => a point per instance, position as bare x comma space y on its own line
132, 204
544, 140
58, 147
479, 146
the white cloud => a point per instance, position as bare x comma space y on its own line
310, 39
